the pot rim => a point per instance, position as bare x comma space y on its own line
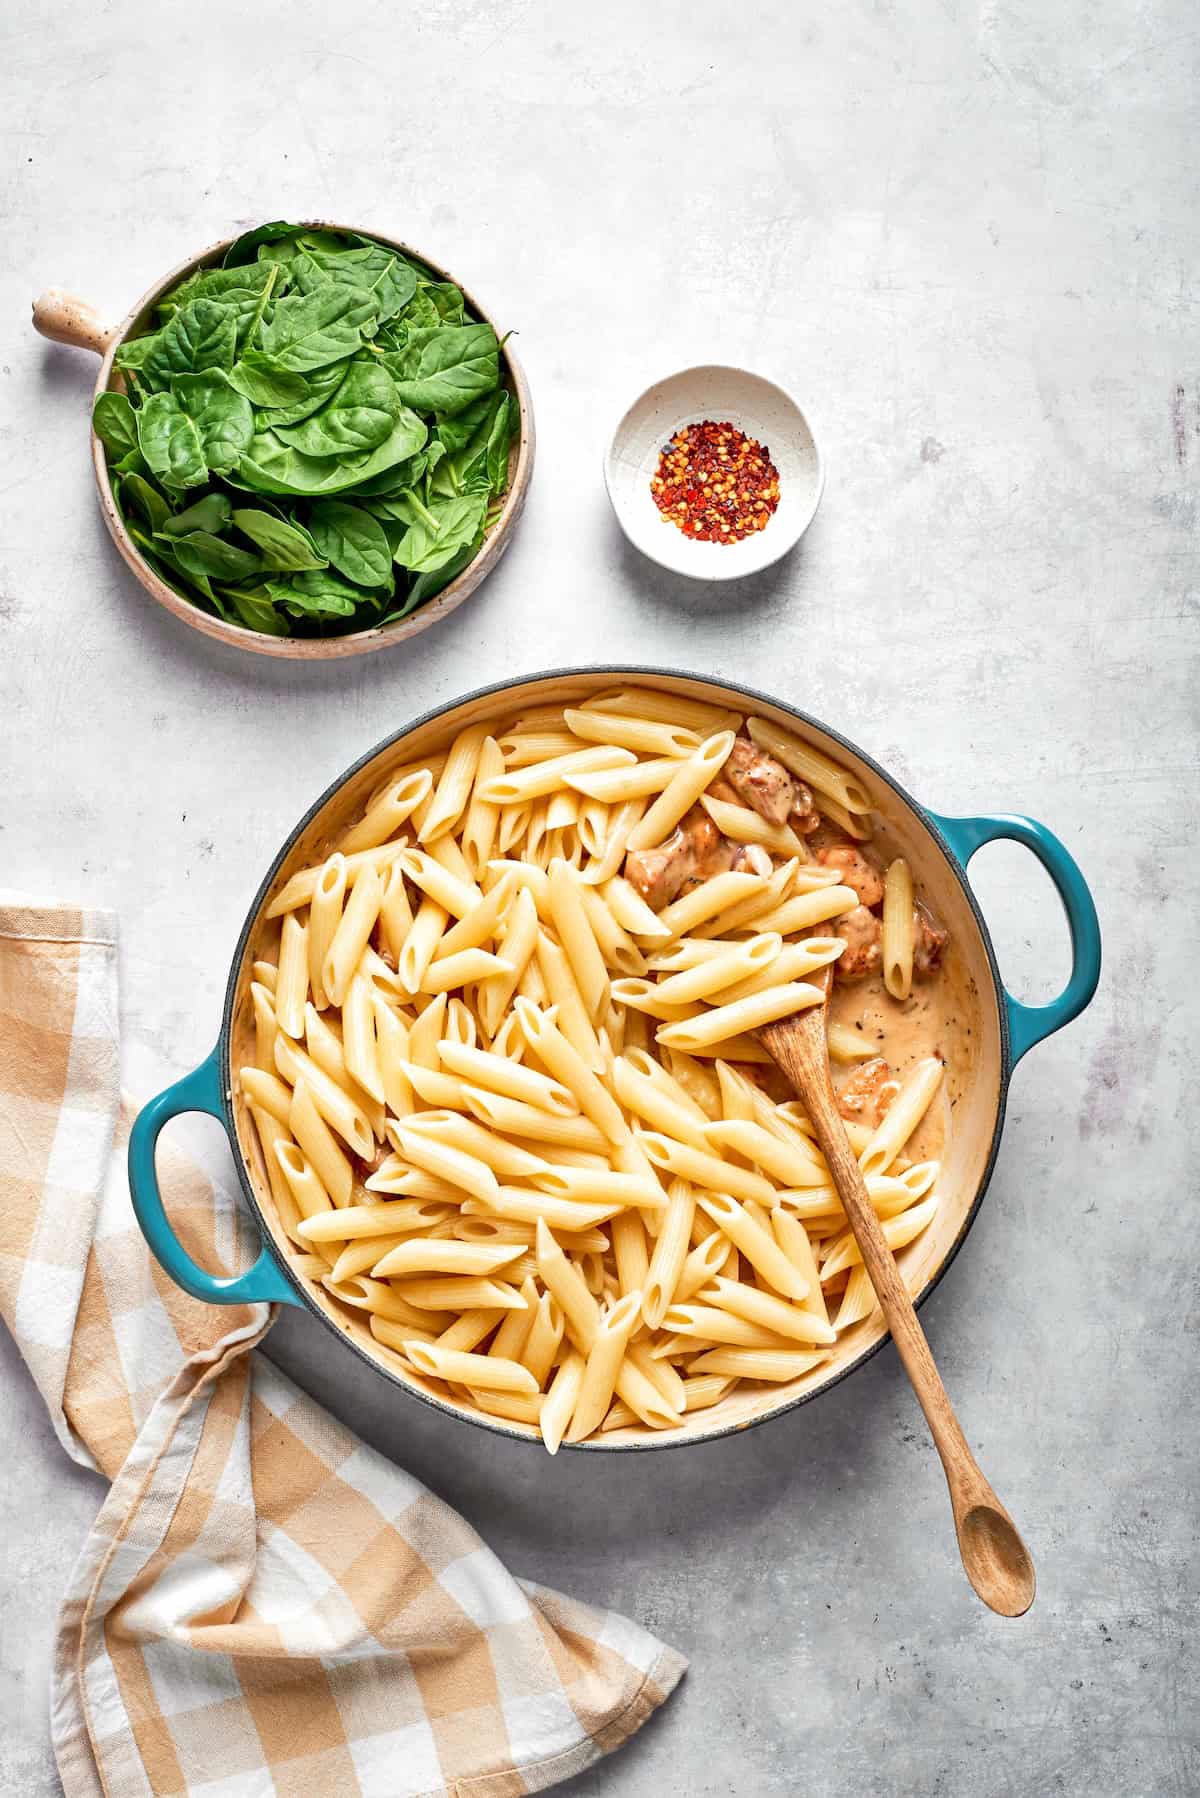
500, 1426
355, 642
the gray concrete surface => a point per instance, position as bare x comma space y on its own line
967, 236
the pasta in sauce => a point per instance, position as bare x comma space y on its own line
506, 1081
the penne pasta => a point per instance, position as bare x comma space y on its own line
735, 962
741, 825
665, 708
558, 1406
454, 786
318, 1143
614, 785
291, 986
335, 1104
511, 1104
518, 786
615, 1326
648, 736
763, 1308
710, 899
898, 939
421, 943
725, 1021
631, 911
682, 792
351, 936
755, 1243
387, 812
575, 934
813, 768
324, 916
300, 888
355, 1222
757, 1364
482, 819
490, 1373
903, 1115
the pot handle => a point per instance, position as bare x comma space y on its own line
1028, 1024
265, 1282
65, 319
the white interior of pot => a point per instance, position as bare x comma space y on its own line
971, 1047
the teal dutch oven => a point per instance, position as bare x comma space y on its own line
986, 1033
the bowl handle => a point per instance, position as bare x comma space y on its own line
265, 1282
64, 319
1028, 1024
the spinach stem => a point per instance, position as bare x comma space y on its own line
262, 306
430, 521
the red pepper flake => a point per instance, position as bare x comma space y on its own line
714, 483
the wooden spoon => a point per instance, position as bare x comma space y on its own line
997, 1562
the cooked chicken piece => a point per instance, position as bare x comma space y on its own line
928, 943
721, 789
868, 1092
854, 870
752, 858
760, 781
804, 817
861, 931
694, 851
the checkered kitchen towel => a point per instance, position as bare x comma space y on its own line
264, 1605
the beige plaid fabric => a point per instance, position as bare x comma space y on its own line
264, 1605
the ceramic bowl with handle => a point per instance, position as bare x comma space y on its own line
992, 1030
65, 319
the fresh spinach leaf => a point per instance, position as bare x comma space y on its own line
372, 269
401, 477
363, 411
283, 547
114, 424
446, 301
428, 584
246, 247
212, 513
170, 442
254, 608
146, 497
200, 336
499, 439
272, 466
136, 351
319, 595
437, 533
263, 385
353, 541
442, 369
223, 417
309, 330
200, 553
284, 398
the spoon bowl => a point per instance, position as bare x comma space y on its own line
995, 1559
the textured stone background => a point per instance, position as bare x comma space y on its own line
966, 235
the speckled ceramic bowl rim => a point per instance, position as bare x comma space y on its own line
607, 671
356, 642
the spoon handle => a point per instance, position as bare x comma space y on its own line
965, 1480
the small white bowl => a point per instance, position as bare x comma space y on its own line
760, 409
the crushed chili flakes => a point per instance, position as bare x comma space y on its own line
714, 483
